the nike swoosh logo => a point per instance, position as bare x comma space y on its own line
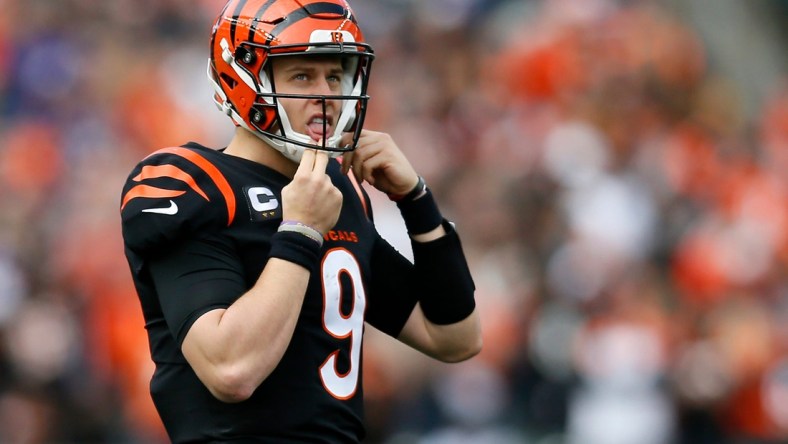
172, 209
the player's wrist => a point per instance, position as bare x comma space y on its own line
303, 229
419, 210
415, 192
296, 247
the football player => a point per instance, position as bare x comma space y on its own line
258, 265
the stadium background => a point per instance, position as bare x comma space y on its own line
617, 169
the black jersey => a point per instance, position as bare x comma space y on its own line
208, 218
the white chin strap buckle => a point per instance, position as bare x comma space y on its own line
227, 108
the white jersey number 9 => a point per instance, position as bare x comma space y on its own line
346, 326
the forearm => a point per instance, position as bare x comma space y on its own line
457, 338
448, 343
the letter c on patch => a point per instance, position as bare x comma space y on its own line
262, 199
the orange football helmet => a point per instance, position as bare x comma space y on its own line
249, 33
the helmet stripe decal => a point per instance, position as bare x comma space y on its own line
307, 11
237, 13
258, 17
218, 20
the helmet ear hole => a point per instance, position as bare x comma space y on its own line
229, 81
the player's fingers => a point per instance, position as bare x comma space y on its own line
358, 168
307, 162
347, 138
321, 161
365, 159
347, 162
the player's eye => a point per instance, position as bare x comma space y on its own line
334, 81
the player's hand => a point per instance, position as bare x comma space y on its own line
379, 161
311, 198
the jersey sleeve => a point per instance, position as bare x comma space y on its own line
193, 278
172, 195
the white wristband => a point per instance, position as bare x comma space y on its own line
306, 230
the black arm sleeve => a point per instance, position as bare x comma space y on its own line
194, 278
392, 290
439, 280
446, 285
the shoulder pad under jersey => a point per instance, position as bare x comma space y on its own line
173, 194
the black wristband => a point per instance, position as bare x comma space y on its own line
441, 267
296, 248
421, 215
415, 193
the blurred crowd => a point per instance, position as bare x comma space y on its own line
625, 218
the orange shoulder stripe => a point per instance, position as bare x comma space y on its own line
360, 193
211, 171
148, 191
357, 187
154, 171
